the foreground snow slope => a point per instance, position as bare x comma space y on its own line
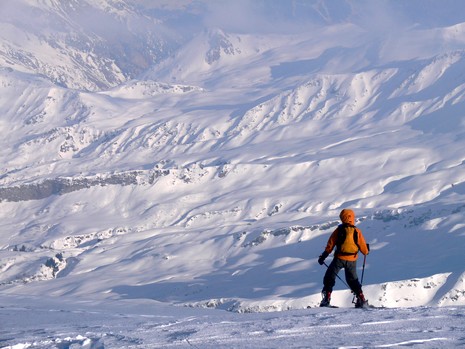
62, 324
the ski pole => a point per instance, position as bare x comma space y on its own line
345, 283
363, 268
363, 272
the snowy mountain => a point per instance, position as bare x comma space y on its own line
90, 45
198, 153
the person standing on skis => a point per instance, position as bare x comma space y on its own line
348, 240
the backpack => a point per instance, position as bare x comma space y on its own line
347, 240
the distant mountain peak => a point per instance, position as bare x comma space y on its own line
220, 44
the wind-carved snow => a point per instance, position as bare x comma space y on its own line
326, 97
85, 241
145, 89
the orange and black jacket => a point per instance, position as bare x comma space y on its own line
347, 217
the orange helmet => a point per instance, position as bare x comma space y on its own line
347, 216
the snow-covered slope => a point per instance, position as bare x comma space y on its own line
89, 45
71, 324
211, 171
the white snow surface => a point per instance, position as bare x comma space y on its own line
171, 171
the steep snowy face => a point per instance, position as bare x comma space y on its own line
96, 45
90, 45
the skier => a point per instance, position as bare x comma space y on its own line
348, 241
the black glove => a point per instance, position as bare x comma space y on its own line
322, 257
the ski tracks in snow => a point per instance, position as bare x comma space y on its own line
427, 327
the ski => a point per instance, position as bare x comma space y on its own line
372, 307
323, 306
369, 306
366, 307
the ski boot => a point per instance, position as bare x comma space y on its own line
325, 302
361, 302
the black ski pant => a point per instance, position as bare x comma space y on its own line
350, 269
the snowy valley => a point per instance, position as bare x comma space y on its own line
171, 171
